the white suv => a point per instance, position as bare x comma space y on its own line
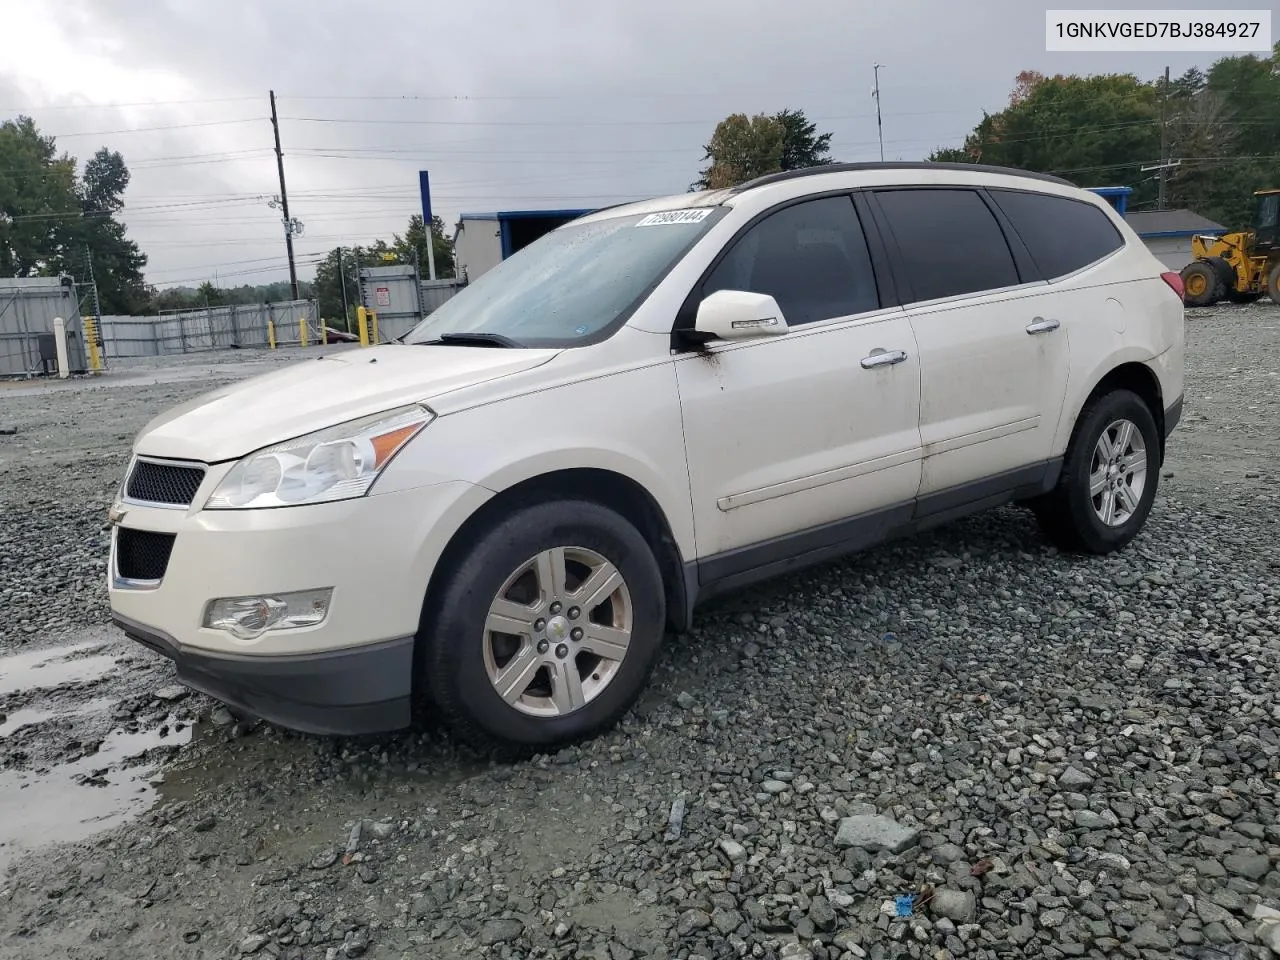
499, 516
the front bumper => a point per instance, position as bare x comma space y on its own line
366, 689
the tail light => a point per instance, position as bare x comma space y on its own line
1174, 280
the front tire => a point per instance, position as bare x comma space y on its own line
1273, 284
546, 631
1109, 477
1199, 284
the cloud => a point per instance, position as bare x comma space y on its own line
509, 104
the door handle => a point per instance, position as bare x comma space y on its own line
1039, 325
883, 358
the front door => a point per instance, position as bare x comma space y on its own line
788, 435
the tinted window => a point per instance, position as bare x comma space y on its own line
951, 242
811, 257
1062, 235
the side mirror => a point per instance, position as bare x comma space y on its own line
737, 315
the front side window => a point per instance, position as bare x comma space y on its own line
571, 286
1268, 211
950, 241
811, 257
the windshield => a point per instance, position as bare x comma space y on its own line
572, 286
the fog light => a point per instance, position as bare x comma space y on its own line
249, 617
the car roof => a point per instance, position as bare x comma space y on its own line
927, 170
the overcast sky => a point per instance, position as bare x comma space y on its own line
509, 104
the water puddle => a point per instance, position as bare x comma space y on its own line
75, 800
30, 716
52, 667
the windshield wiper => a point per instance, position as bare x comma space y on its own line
472, 340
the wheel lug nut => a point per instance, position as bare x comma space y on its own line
543, 646
539, 624
555, 607
574, 613
562, 651
577, 633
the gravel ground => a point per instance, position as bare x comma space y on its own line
964, 745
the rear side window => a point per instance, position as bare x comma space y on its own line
950, 241
811, 257
1062, 235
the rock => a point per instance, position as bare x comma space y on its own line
1145, 936
500, 931
686, 700
732, 849
675, 820
822, 914
958, 906
1251, 866
947, 854
692, 920
205, 823
1268, 934
873, 833
774, 786
1071, 778
726, 921
794, 951
8, 431
356, 944
324, 860
1090, 820
252, 944
221, 717
171, 692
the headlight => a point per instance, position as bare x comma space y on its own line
338, 463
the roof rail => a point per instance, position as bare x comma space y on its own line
895, 165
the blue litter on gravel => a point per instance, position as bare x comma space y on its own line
904, 904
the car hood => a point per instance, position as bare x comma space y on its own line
313, 394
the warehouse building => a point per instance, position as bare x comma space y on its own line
483, 240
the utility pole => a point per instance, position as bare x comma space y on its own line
346, 310
879, 126
1164, 138
284, 201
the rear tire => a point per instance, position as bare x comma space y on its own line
581, 596
1106, 489
1273, 284
1199, 284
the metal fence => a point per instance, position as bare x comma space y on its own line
253, 325
401, 298
28, 306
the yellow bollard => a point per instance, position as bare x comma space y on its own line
362, 321
271, 334
302, 330
91, 340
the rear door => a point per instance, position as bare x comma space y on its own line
994, 357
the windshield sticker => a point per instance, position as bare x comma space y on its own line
580, 330
693, 215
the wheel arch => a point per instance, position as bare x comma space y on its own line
1134, 375
608, 488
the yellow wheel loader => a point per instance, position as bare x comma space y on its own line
1238, 266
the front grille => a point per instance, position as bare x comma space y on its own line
164, 483
141, 554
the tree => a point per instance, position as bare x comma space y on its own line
802, 145
1095, 130
415, 241
37, 200
117, 261
742, 149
